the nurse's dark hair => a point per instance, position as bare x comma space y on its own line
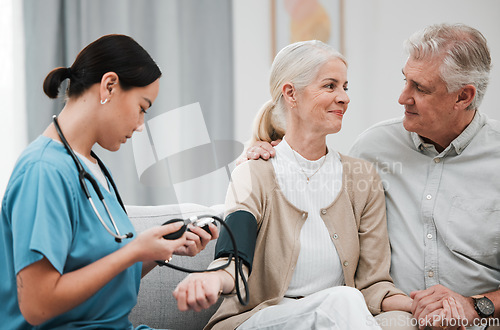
111, 53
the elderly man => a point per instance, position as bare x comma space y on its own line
440, 165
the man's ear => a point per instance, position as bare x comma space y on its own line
108, 83
288, 91
465, 96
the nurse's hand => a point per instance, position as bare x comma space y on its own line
196, 240
150, 244
199, 291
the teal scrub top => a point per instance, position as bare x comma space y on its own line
46, 214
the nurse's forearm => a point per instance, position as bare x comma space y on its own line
43, 293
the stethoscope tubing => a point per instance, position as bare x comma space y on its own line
82, 175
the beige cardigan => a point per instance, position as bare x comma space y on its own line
355, 220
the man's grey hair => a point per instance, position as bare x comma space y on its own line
466, 57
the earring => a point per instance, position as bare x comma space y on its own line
104, 102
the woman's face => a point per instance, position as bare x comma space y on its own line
127, 114
322, 104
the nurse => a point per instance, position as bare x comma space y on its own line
61, 268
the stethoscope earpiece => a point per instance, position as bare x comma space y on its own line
127, 235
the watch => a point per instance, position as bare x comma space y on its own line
483, 306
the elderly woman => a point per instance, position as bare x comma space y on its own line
316, 218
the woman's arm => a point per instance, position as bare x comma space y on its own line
397, 302
44, 293
200, 291
244, 206
372, 273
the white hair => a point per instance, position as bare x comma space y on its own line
299, 64
466, 57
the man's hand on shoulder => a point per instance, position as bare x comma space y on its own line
259, 149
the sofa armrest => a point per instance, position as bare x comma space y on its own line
156, 306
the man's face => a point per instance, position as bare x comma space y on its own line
429, 108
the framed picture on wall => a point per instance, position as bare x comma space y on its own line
298, 20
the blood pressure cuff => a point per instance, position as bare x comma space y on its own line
243, 225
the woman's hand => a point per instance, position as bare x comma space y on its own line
451, 317
196, 240
429, 303
201, 290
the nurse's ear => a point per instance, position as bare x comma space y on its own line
108, 84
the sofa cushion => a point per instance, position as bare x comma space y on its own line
156, 307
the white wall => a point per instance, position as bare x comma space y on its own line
374, 35
375, 31
13, 132
252, 62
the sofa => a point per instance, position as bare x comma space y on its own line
156, 307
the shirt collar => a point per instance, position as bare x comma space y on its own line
286, 150
462, 141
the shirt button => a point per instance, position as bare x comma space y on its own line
428, 197
335, 236
429, 236
430, 273
323, 211
303, 215
346, 263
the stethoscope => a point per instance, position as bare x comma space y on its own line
82, 175
197, 220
